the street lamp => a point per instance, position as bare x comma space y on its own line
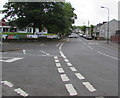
108, 24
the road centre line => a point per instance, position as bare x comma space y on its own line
58, 65
69, 64
7, 83
107, 55
21, 92
79, 76
73, 68
60, 70
89, 86
71, 89
64, 77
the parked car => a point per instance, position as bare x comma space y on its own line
84, 36
89, 37
81, 34
73, 36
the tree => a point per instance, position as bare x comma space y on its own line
83, 28
55, 16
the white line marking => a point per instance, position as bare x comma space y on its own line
42, 44
44, 52
1, 60
79, 76
107, 55
57, 61
90, 47
64, 77
12, 60
56, 57
58, 65
60, 47
66, 60
21, 92
89, 86
64, 56
69, 64
24, 52
71, 89
73, 68
60, 70
58, 44
9, 84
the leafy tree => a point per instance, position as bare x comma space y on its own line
55, 16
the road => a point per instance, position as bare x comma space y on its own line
74, 67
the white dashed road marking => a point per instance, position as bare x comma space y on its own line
9, 84
73, 68
69, 64
89, 86
79, 76
21, 92
71, 89
58, 65
64, 77
66, 60
60, 70
56, 57
57, 61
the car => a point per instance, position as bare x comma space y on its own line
81, 34
88, 37
84, 36
73, 36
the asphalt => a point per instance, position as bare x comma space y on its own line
37, 74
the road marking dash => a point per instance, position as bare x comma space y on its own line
56, 57
90, 47
9, 84
60, 70
64, 77
69, 64
66, 60
79, 76
21, 92
58, 65
73, 68
89, 86
71, 89
56, 61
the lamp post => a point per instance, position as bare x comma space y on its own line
108, 24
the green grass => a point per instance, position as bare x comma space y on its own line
16, 33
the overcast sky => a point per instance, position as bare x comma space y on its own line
90, 10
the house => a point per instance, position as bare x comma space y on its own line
101, 29
5, 27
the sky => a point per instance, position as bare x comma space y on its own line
89, 10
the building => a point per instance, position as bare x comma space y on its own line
101, 30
